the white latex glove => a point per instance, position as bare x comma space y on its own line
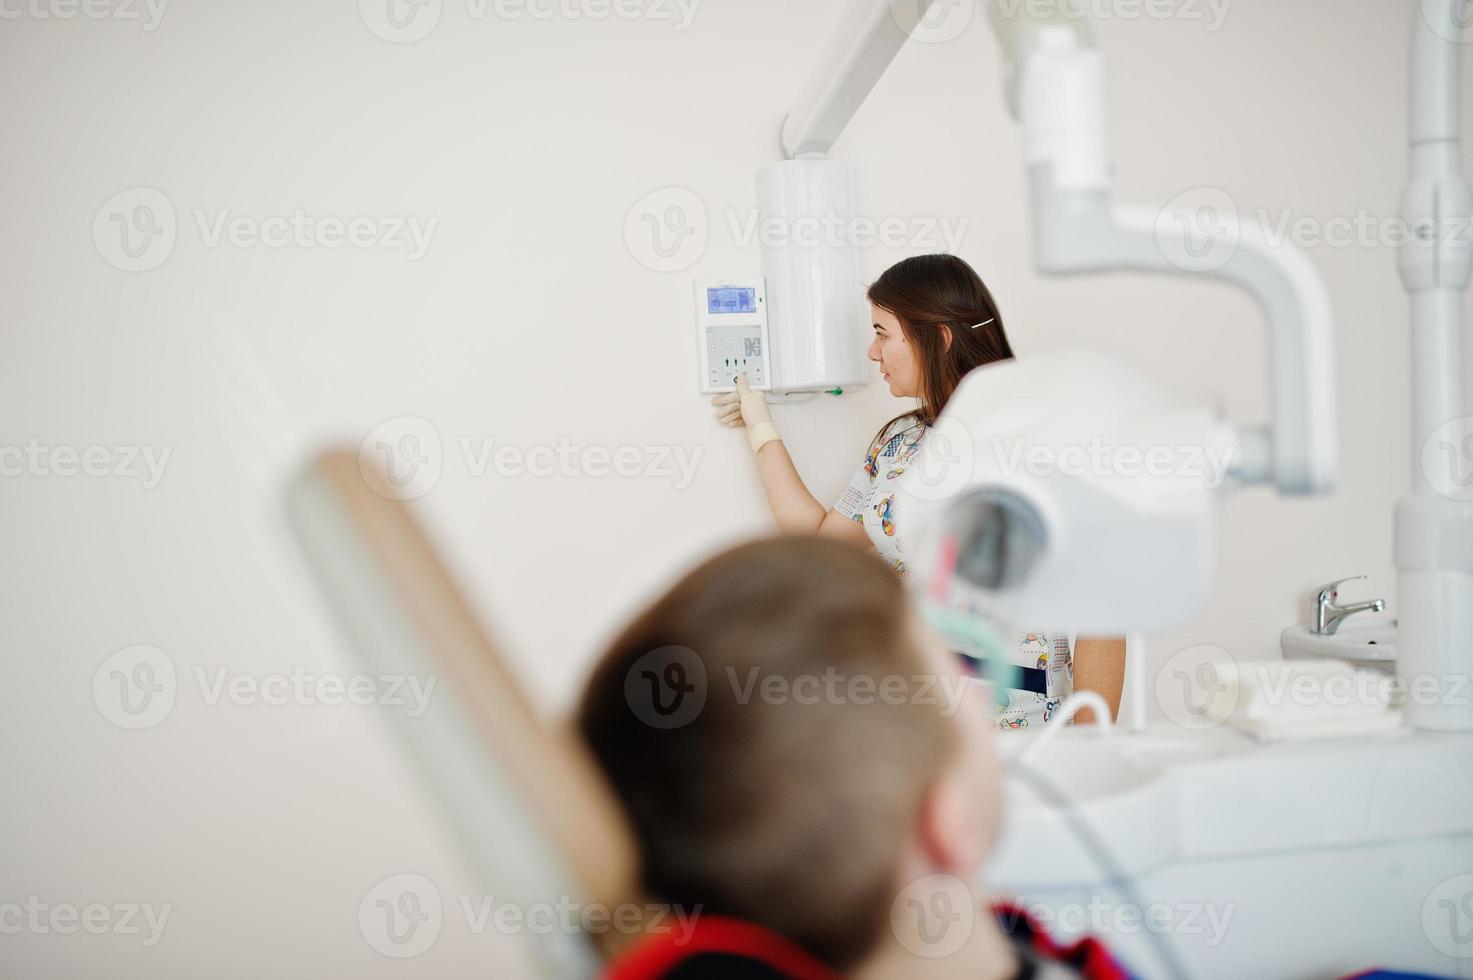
749, 408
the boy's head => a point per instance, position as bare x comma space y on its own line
791, 744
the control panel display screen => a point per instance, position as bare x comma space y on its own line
731, 299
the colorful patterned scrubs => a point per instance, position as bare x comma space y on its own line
1044, 659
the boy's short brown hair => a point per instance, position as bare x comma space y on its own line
790, 811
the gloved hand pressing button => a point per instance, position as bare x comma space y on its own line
747, 407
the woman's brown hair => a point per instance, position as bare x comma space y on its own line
936, 297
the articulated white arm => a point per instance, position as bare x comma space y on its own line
1056, 88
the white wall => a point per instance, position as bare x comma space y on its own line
529, 321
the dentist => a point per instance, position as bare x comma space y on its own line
934, 321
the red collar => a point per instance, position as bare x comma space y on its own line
714, 936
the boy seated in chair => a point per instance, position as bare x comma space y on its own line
807, 771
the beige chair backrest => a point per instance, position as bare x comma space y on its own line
525, 797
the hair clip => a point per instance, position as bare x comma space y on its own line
982, 324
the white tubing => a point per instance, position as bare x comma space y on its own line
1071, 707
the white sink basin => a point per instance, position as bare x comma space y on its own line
1366, 639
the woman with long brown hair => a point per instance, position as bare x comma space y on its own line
934, 321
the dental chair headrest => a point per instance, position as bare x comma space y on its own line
531, 809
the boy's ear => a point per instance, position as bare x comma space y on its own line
950, 832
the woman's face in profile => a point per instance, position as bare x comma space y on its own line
893, 353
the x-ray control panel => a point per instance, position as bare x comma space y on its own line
731, 323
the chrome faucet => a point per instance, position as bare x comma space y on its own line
1328, 616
